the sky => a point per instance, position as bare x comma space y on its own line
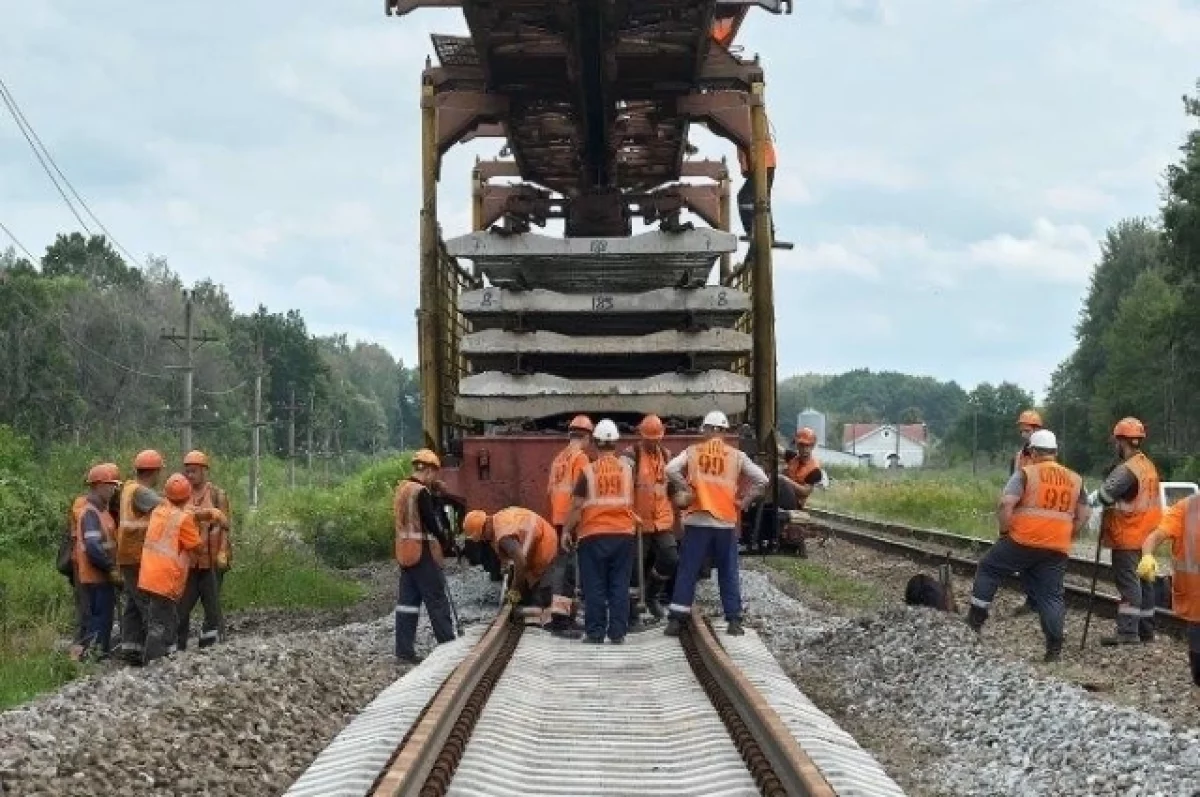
947, 168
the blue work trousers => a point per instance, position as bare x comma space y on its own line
1042, 573
101, 601
425, 583
605, 563
697, 543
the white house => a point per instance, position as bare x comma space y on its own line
886, 442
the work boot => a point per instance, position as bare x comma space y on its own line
409, 658
593, 640
1146, 636
674, 626
1053, 651
976, 617
734, 628
618, 641
635, 617
1120, 639
802, 549
653, 606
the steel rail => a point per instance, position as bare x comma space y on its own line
916, 544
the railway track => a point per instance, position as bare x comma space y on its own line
509, 711
933, 546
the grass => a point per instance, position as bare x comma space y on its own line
950, 501
827, 585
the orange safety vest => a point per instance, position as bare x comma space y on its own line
798, 471
1126, 524
214, 538
744, 159
537, 538
712, 471
131, 530
722, 31
564, 474
1185, 549
608, 508
85, 571
650, 489
170, 535
410, 533
1045, 515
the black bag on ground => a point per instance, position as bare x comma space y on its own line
923, 590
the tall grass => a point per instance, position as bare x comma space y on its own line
949, 500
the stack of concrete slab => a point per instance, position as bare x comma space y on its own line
600, 325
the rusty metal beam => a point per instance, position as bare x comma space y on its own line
713, 170
491, 169
727, 114
461, 113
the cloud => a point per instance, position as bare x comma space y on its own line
845, 166
1078, 199
828, 257
866, 12
1051, 253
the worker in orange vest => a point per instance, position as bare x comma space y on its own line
660, 551
1043, 509
1028, 423
803, 472
601, 526
1133, 507
95, 562
525, 540
138, 499
707, 476
208, 561
1180, 525
565, 470
172, 535
421, 545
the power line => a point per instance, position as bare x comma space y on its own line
15, 108
15, 240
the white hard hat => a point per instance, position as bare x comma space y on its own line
606, 432
716, 419
1043, 439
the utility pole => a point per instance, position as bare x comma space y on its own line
312, 403
291, 407
189, 344
255, 449
974, 439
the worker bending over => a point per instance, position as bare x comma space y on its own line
421, 545
138, 500
522, 538
95, 565
204, 576
1132, 509
660, 555
1181, 525
602, 524
171, 536
1042, 510
707, 476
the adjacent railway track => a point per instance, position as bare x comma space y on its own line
518, 712
962, 553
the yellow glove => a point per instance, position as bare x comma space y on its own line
1147, 568
513, 597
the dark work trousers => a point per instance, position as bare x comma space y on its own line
82, 611
202, 587
425, 583
162, 626
697, 543
133, 617
101, 600
605, 562
1042, 573
745, 201
221, 620
559, 582
660, 558
566, 585
1135, 612
1193, 637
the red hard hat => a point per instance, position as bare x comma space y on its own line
580, 423
427, 458
178, 489
148, 460
198, 458
651, 428
806, 437
104, 473
1030, 418
1130, 428
473, 524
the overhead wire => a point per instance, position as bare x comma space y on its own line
17, 241
14, 108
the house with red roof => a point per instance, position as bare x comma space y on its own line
887, 444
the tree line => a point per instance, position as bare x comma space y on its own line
83, 358
1137, 346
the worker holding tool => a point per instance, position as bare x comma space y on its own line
1180, 525
421, 545
1132, 509
172, 534
526, 542
138, 500
707, 476
602, 524
1042, 510
95, 565
660, 555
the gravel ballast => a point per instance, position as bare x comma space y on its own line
244, 717
946, 716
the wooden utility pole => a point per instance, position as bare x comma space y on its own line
291, 407
312, 404
256, 439
189, 343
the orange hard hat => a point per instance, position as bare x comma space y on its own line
1130, 428
427, 458
652, 428
198, 458
580, 423
806, 437
148, 460
104, 473
473, 524
178, 488
1030, 418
